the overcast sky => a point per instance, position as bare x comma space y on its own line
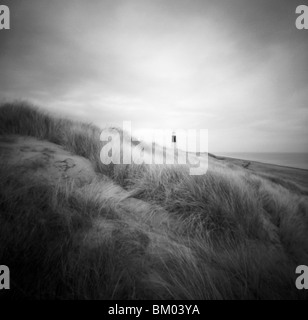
238, 68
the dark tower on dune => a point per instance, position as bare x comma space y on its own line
173, 138
174, 146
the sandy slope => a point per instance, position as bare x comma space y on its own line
46, 160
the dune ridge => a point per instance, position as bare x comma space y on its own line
74, 228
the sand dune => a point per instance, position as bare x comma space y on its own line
74, 228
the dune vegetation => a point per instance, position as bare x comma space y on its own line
143, 231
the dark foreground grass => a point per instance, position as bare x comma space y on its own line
145, 232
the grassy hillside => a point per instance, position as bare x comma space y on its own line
143, 232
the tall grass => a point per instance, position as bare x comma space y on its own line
80, 138
144, 231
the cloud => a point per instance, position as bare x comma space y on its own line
236, 68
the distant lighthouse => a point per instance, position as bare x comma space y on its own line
174, 146
173, 138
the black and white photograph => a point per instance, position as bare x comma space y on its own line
153, 150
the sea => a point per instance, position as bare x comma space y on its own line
295, 160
